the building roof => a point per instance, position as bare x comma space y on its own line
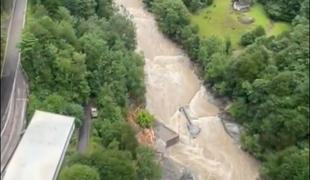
41, 150
244, 2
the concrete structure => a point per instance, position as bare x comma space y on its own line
42, 148
166, 135
194, 130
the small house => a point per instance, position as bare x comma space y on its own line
242, 5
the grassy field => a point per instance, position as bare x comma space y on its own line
221, 20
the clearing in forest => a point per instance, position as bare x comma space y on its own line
221, 20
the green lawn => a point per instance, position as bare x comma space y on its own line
221, 20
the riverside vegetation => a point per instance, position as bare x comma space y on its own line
268, 81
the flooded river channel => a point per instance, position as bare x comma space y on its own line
171, 83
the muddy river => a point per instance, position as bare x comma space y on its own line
171, 83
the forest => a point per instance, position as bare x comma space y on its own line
6, 7
267, 81
77, 51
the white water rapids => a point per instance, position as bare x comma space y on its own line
171, 83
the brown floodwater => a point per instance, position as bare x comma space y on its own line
171, 83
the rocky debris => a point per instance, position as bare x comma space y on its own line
232, 128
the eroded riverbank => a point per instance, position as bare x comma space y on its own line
171, 83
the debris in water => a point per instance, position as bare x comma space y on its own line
193, 129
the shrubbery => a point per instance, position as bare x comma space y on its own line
147, 166
194, 5
284, 10
268, 82
249, 37
145, 119
79, 172
77, 51
292, 163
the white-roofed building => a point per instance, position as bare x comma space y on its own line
41, 150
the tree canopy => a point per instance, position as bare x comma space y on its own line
267, 81
285, 10
79, 51
79, 172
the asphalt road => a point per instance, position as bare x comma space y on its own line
13, 87
11, 57
84, 132
15, 125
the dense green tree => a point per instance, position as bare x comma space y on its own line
79, 172
82, 51
148, 168
55, 103
247, 67
122, 28
249, 37
251, 143
304, 10
81, 8
120, 132
259, 31
109, 109
76, 111
275, 105
216, 68
292, 163
172, 16
51, 64
114, 164
284, 10
208, 47
110, 163
194, 5
173, 19
190, 41
135, 77
104, 8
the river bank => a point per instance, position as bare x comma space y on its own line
171, 82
